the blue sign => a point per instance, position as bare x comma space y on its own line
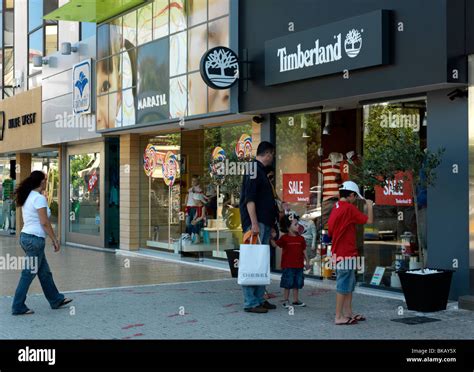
82, 91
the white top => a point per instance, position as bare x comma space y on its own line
32, 224
192, 194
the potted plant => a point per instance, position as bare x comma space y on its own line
394, 159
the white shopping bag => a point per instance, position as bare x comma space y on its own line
254, 264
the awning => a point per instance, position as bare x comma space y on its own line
95, 11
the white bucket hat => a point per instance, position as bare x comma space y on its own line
351, 186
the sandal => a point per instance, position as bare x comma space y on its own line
28, 312
65, 302
359, 317
350, 321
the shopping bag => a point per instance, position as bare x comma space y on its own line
254, 264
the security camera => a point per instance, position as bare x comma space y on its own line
258, 119
458, 93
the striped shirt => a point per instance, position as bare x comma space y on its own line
331, 178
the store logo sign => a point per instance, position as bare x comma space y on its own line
82, 91
350, 44
220, 68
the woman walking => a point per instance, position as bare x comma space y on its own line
36, 215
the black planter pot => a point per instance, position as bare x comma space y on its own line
426, 293
233, 259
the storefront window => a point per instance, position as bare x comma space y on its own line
161, 45
160, 226
84, 194
399, 231
7, 204
327, 149
48, 163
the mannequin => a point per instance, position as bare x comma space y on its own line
330, 172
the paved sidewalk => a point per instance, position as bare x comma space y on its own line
77, 269
213, 310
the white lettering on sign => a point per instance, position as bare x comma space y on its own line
394, 188
154, 101
295, 187
310, 57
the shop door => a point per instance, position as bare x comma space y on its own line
85, 191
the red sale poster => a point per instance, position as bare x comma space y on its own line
397, 192
296, 188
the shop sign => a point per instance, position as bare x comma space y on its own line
347, 45
22, 120
82, 91
296, 187
153, 86
397, 192
220, 68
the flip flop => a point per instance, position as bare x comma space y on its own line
350, 321
65, 302
29, 312
359, 317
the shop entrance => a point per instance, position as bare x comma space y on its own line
85, 191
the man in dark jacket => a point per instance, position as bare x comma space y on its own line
257, 211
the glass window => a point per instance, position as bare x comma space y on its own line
178, 97
392, 242
116, 35
35, 41
88, 30
219, 33
129, 73
84, 194
145, 26
197, 12
51, 39
130, 30
177, 16
218, 8
197, 46
159, 208
102, 112
9, 27
8, 80
219, 100
128, 108
197, 102
103, 41
35, 14
115, 110
178, 54
160, 18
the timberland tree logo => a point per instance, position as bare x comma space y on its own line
220, 68
353, 43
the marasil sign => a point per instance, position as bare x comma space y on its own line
350, 44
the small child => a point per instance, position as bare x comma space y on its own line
292, 260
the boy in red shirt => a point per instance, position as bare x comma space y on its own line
342, 228
292, 260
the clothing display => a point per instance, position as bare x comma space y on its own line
7, 189
347, 166
331, 175
309, 233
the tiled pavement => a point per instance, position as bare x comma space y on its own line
205, 304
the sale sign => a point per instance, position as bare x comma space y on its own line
397, 192
296, 188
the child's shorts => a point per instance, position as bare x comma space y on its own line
345, 281
292, 279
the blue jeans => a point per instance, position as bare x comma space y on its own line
253, 294
34, 249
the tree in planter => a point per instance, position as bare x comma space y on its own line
399, 151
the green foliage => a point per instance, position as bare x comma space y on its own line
388, 151
77, 164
